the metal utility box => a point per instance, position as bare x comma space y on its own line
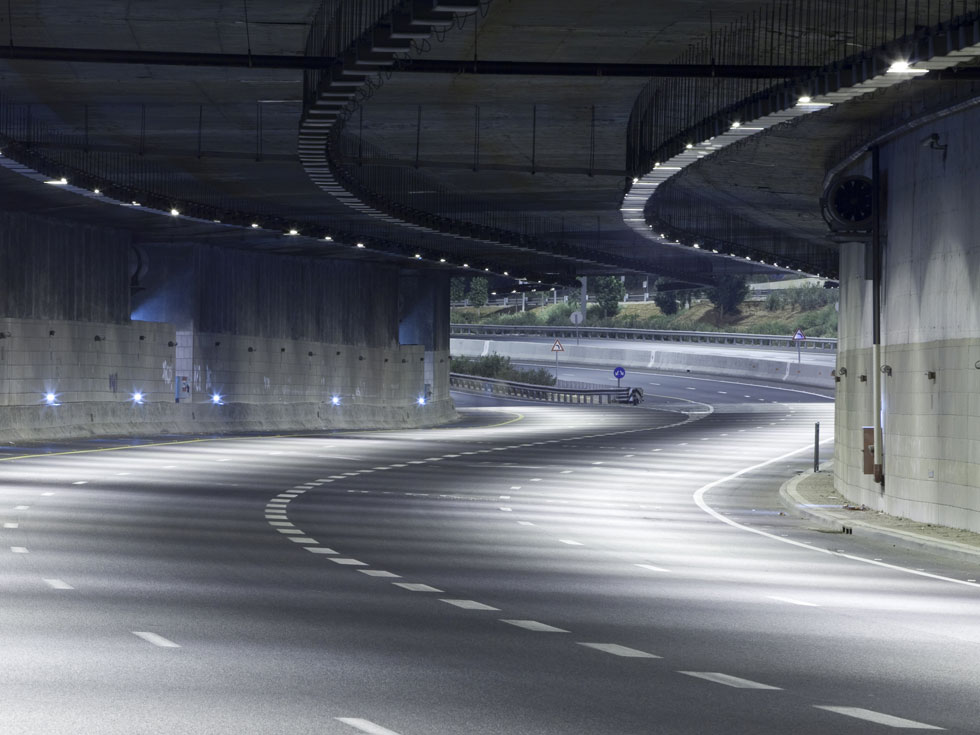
868, 447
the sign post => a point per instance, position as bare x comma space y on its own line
798, 338
556, 348
619, 373
576, 318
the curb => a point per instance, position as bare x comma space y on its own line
797, 505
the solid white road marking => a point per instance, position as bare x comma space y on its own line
617, 650
348, 562
58, 584
470, 605
534, 625
652, 568
878, 717
379, 573
791, 601
414, 587
703, 505
731, 681
19, 549
366, 726
156, 640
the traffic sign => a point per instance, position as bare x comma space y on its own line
576, 318
799, 335
619, 373
798, 338
556, 347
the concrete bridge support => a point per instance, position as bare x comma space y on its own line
930, 364
211, 339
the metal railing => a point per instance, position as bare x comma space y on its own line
543, 393
821, 344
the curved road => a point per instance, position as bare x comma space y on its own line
532, 569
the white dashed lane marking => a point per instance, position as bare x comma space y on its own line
22, 507
11, 525
366, 726
570, 542
156, 640
320, 550
348, 562
728, 680
58, 584
791, 601
534, 625
19, 549
617, 650
414, 587
878, 717
378, 573
470, 605
652, 568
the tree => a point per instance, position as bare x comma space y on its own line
728, 294
478, 292
457, 289
665, 300
609, 292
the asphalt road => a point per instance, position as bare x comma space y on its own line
532, 569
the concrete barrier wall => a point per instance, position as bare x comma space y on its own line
277, 337
930, 324
718, 364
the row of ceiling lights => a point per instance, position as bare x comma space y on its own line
174, 211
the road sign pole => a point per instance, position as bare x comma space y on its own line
798, 358
556, 367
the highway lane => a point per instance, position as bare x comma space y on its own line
555, 574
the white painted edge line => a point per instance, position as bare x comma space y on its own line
366, 726
617, 650
415, 587
534, 625
156, 640
703, 505
878, 717
791, 601
728, 680
58, 584
470, 605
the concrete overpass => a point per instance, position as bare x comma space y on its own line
219, 218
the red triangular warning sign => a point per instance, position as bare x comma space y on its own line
556, 347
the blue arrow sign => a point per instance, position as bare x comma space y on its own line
619, 373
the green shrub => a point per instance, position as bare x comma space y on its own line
499, 367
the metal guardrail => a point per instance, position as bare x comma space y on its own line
544, 393
820, 344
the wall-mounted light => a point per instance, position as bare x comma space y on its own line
217, 344
251, 349
171, 344
335, 400
977, 364
138, 398
99, 338
931, 374
174, 212
886, 369
51, 399
421, 400
863, 378
217, 400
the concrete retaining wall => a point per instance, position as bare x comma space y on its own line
930, 323
663, 358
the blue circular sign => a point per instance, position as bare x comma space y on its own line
619, 373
